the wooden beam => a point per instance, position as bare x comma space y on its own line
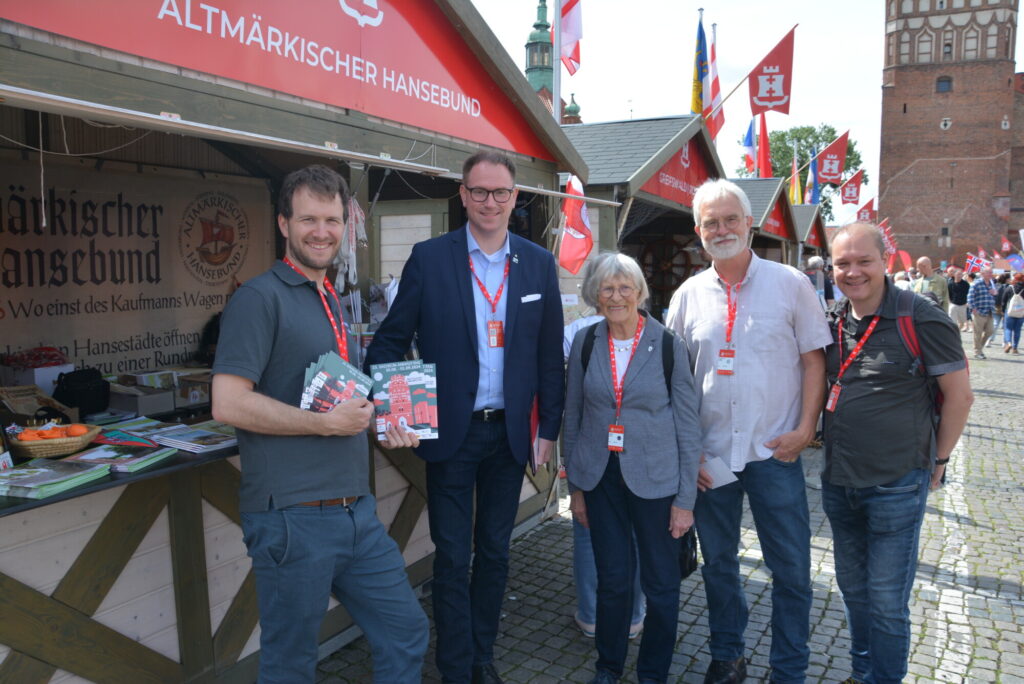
98, 566
408, 514
188, 560
48, 630
219, 484
238, 624
411, 466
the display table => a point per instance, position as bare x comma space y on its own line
138, 577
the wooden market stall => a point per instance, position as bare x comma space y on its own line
143, 147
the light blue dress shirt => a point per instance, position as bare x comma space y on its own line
490, 268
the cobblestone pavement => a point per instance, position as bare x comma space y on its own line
967, 608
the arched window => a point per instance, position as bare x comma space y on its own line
943, 84
971, 44
991, 41
924, 48
905, 48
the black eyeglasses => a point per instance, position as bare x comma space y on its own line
500, 195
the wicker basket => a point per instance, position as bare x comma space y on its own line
52, 448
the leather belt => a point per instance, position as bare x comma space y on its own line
346, 501
489, 415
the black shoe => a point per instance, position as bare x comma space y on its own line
603, 677
485, 674
726, 671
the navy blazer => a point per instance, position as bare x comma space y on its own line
435, 303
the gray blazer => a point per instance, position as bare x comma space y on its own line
662, 446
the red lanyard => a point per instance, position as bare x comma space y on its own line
340, 337
843, 365
483, 288
730, 310
616, 382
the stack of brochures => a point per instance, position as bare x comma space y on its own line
405, 396
124, 458
331, 380
42, 477
143, 426
199, 438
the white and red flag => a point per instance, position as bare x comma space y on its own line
982, 253
832, 160
850, 190
891, 245
1007, 246
714, 121
771, 81
764, 151
867, 213
577, 240
572, 32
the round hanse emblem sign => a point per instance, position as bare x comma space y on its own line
213, 237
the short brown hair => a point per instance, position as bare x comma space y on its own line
320, 181
489, 157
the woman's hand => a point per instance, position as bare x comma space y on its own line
397, 438
579, 508
679, 522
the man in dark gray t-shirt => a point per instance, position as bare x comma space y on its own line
883, 450
308, 516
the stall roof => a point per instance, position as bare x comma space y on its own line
809, 223
629, 152
763, 194
178, 46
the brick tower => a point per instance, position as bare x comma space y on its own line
948, 125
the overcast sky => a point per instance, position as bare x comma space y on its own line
637, 62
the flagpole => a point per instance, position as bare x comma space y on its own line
556, 76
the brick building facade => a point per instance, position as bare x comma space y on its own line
952, 149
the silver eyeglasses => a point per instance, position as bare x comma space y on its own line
730, 223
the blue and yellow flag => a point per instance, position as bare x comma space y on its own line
700, 70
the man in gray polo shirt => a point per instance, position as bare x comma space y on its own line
308, 517
882, 448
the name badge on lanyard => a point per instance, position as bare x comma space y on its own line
726, 363
616, 431
616, 437
495, 328
833, 393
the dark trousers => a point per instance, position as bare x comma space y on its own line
616, 514
467, 607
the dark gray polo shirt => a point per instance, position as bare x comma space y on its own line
883, 426
273, 327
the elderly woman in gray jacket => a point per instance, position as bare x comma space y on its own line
632, 452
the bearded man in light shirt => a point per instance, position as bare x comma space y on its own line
755, 333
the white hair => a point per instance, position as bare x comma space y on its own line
607, 265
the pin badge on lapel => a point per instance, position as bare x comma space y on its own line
515, 258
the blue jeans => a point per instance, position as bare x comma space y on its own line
1011, 331
467, 609
778, 501
584, 573
616, 515
875, 532
301, 554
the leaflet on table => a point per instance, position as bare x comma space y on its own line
330, 381
405, 395
42, 477
123, 458
195, 440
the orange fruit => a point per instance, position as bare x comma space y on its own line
52, 433
28, 436
76, 430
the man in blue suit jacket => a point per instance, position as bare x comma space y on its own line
484, 306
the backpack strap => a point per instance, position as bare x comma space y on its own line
668, 359
908, 333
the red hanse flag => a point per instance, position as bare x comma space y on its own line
982, 253
832, 160
572, 31
850, 190
771, 81
867, 212
577, 240
716, 121
1007, 246
764, 151
891, 246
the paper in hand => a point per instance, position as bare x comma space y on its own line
719, 472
